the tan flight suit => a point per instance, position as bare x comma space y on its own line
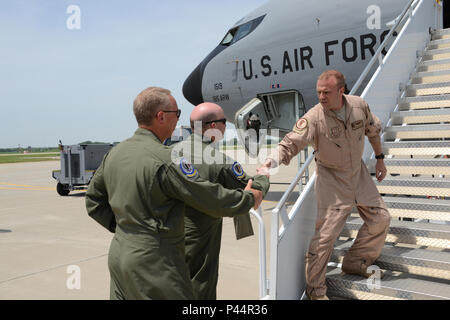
342, 182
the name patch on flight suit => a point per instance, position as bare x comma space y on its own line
301, 125
188, 169
357, 124
237, 170
335, 132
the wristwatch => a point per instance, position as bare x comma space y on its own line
380, 156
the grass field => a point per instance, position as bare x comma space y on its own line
31, 157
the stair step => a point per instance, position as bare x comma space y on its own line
389, 287
435, 167
440, 34
439, 44
429, 263
418, 208
436, 54
428, 88
431, 51
416, 233
421, 116
428, 131
417, 148
425, 102
427, 63
418, 186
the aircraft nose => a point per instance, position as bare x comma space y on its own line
192, 87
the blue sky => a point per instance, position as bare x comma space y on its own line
78, 85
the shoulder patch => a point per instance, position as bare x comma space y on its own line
301, 125
357, 124
237, 169
188, 169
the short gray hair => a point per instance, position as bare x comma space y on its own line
149, 102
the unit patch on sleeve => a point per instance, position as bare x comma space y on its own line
188, 169
357, 124
301, 125
237, 170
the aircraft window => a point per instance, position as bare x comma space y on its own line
241, 31
228, 38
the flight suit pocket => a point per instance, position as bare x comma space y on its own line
330, 152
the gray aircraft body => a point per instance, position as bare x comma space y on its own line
276, 53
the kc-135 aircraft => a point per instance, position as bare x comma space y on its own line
266, 66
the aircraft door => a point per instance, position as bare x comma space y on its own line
272, 114
251, 126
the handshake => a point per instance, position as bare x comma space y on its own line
263, 170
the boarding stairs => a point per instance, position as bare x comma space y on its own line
415, 261
416, 258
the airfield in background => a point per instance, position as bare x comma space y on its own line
45, 237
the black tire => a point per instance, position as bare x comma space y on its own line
62, 191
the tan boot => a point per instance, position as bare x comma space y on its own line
317, 298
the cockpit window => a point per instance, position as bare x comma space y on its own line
228, 38
239, 32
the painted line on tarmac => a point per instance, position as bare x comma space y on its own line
28, 189
12, 186
270, 201
20, 185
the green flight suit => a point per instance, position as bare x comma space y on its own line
140, 194
203, 232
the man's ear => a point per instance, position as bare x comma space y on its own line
160, 116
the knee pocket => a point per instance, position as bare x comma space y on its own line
381, 221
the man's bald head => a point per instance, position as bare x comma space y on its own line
206, 113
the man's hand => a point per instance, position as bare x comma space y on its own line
264, 169
380, 170
257, 195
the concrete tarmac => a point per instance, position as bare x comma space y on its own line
51, 249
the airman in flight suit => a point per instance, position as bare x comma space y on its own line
140, 194
204, 232
336, 128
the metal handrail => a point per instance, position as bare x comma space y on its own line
380, 48
262, 256
293, 184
